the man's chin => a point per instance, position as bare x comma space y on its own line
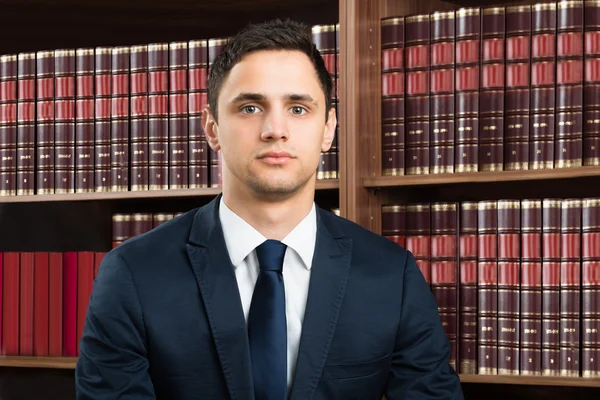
277, 189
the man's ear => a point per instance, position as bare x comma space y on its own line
329, 130
211, 129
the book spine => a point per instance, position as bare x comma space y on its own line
568, 148
590, 329
160, 218
84, 120
570, 287
119, 119
85, 278
64, 125
140, 223
444, 273
591, 85
178, 115
70, 304
102, 139
392, 96
417, 108
158, 116
55, 305
139, 158
491, 95
517, 98
418, 236
468, 288
121, 228
98, 257
532, 331
26, 280
441, 78
487, 288
1, 301
393, 223
509, 279
44, 135
40, 306
466, 103
215, 47
543, 82
198, 99
10, 314
8, 125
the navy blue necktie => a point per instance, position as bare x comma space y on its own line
267, 331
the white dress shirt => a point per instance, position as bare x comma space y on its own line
241, 240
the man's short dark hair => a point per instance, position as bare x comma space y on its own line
271, 35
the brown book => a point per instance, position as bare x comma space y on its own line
26, 124
138, 83
466, 102
119, 119
441, 76
102, 139
418, 236
44, 135
491, 95
393, 223
64, 123
8, 125
509, 279
517, 95
178, 115
121, 228
467, 330
417, 42
84, 120
444, 274
392, 96
591, 84
487, 280
590, 329
543, 81
197, 97
158, 116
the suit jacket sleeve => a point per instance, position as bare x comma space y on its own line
420, 367
113, 363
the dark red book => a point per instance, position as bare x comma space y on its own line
119, 119
84, 121
44, 134
591, 85
140, 223
26, 124
8, 125
590, 330
41, 286
418, 236
102, 94
158, 116
138, 82
1, 301
121, 228
393, 223
64, 121
98, 257
70, 304
178, 115
55, 305
10, 304
198, 99
160, 218
26, 291
468, 288
85, 280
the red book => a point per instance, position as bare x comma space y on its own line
178, 115
84, 122
468, 288
418, 236
70, 304
98, 257
590, 330
198, 98
1, 303
102, 93
139, 117
591, 85
393, 223
44, 127
119, 119
26, 304
64, 127
85, 280
55, 304
8, 125
10, 311
26, 129
158, 116
41, 286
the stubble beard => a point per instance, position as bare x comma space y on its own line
269, 190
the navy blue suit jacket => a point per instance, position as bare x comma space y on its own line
165, 320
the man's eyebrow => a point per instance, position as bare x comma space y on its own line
300, 97
245, 96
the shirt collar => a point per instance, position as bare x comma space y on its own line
241, 238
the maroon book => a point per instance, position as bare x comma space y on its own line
119, 119
468, 306
121, 228
8, 125
393, 223
418, 236
138, 83
102, 139
84, 120
44, 135
444, 274
517, 94
591, 85
178, 115
158, 116
590, 331
64, 126
26, 124
197, 98
466, 103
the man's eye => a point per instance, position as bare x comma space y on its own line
249, 109
298, 110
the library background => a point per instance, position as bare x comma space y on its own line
469, 132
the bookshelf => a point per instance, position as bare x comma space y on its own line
359, 192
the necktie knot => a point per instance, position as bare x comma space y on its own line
270, 255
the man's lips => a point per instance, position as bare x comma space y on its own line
276, 157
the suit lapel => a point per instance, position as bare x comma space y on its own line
217, 283
331, 264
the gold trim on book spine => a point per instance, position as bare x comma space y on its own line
121, 50
590, 374
121, 217
504, 371
8, 58
8, 192
570, 373
515, 9
28, 192
492, 167
393, 208
530, 373
159, 187
417, 171
488, 371
64, 53
508, 204
494, 11
26, 56
592, 3
541, 165
469, 206
216, 42
487, 205
467, 12
178, 45
517, 166
439, 15
591, 202
568, 163
529, 204
322, 28
466, 167
443, 169
45, 54
591, 161
571, 203
544, 6
65, 191
84, 52
198, 186
392, 21
552, 203
443, 207
393, 172
193, 44
158, 46
139, 48
417, 18
570, 4
80, 190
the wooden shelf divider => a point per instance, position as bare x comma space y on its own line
38, 362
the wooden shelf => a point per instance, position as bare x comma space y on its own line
480, 177
531, 380
325, 184
38, 362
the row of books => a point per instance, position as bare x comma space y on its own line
517, 282
122, 118
43, 301
491, 89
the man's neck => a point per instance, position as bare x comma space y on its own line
273, 219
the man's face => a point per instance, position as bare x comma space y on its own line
272, 127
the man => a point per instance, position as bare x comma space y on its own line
260, 294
